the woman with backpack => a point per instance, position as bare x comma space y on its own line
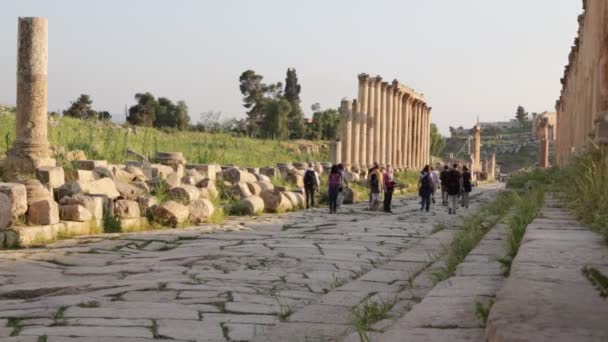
376, 184
335, 181
425, 188
454, 184
466, 186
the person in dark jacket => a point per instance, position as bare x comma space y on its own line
466, 186
389, 188
443, 176
425, 188
454, 184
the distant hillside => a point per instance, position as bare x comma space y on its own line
515, 148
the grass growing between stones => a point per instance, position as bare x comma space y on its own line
474, 229
483, 311
597, 279
526, 209
368, 313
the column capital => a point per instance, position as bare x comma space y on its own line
395, 83
363, 78
389, 88
378, 79
384, 85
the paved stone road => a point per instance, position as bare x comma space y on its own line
292, 277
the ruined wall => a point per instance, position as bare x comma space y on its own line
583, 104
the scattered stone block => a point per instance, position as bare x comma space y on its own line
275, 201
265, 185
269, 172
240, 190
17, 195
208, 188
129, 191
185, 193
296, 178
262, 178
51, 176
90, 164
292, 198
252, 205
103, 186
206, 170
159, 170
74, 212
5, 211
253, 170
80, 175
43, 212
146, 203
171, 213
235, 175
200, 210
254, 188
126, 209
173, 180
75, 155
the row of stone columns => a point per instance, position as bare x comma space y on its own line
389, 123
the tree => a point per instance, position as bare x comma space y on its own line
165, 113
81, 108
292, 95
521, 115
437, 141
275, 124
324, 124
210, 121
144, 112
182, 119
104, 115
253, 89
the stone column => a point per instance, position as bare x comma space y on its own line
476, 153
414, 132
395, 124
335, 149
31, 147
543, 134
375, 146
383, 124
389, 124
355, 135
423, 137
346, 135
404, 135
428, 135
371, 121
408, 134
364, 89
492, 174
398, 128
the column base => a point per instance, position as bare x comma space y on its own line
17, 165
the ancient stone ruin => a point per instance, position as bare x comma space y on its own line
582, 109
388, 124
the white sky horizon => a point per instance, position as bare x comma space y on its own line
469, 57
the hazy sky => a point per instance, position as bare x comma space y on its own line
469, 57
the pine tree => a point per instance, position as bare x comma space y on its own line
292, 95
521, 115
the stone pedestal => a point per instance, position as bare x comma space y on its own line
31, 148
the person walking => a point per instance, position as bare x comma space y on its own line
335, 179
311, 184
389, 188
443, 177
454, 184
369, 178
376, 186
425, 187
343, 185
436, 184
466, 186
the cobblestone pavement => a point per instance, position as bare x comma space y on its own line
290, 277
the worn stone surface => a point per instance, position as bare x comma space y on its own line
171, 213
252, 205
5, 211
74, 212
17, 195
546, 277
126, 209
200, 210
43, 212
294, 276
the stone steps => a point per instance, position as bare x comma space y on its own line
546, 297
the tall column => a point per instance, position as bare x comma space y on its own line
416, 138
31, 147
389, 124
355, 135
394, 127
476, 153
543, 133
407, 132
346, 135
428, 135
376, 132
422, 134
404, 101
383, 124
371, 121
399, 160
363, 108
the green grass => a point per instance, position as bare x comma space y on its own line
597, 279
368, 313
483, 311
110, 142
111, 224
474, 229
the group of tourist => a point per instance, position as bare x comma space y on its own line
454, 181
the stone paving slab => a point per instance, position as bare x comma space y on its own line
546, 297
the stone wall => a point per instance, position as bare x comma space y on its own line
582, 109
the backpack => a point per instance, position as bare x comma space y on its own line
335, 179
309, 179
425, 182
373, 181
454, 182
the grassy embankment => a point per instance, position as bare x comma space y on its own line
110, 142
